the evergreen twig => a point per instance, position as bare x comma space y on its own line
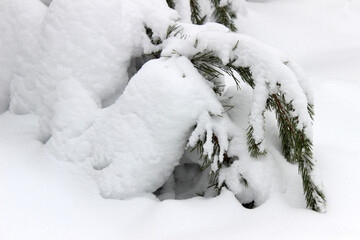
173, 28
206, 162
245, 74
224, 15
297, 148
211, 67
253, 146
196, 17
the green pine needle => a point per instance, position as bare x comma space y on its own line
253, 147
224, 15
174, 29
297, 148
196, 17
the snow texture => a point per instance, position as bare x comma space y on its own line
84, 57
267, 66
20, 23
41, 198
134, 145
90, 43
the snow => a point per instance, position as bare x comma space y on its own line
266, 64
44, 198
133, 146
20, 22
92, 44
183, 8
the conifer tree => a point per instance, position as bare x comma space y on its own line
214, 51
296, 142
297, 147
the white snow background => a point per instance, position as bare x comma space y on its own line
43, 198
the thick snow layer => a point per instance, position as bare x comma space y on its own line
90, 43
84, 54
266, 64
42, 198
134, 145
263, 174
20, 23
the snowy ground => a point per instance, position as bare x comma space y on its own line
41, 198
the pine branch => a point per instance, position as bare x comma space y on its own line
246, 76
315, 198
211, 67
286, 124
154, 40
196, 17
253, 147
174, 29
224, 15
206, 161
310, 108
297, 148
244, 72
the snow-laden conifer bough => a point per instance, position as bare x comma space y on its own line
130, 134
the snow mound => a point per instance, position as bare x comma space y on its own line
82, 66
91, 43
20, 23
134, 145
272, 70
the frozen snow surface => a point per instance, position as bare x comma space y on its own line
20, 23
133, 146
44, 198
88, 44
